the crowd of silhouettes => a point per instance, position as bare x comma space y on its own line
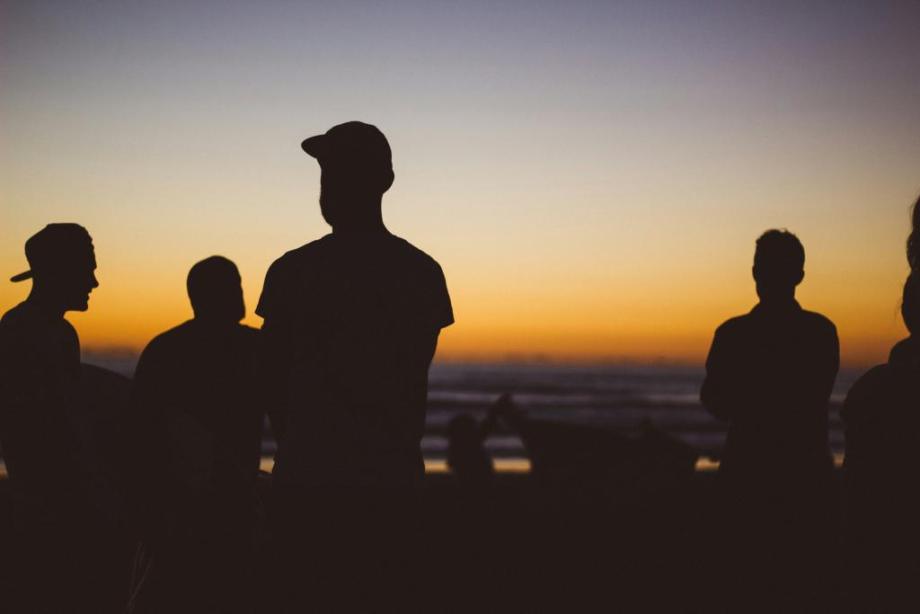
340, 370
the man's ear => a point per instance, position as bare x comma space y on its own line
387, 180
800, 277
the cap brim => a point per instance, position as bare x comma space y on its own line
315, 145
21, 276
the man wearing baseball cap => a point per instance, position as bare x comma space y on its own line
57, 522
351, 322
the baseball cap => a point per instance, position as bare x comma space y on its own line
54, 247
354, 142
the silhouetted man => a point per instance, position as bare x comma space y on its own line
770, 374
351, 325
59, 526
197, 441
881, 469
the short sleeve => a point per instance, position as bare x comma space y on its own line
833, 344
715, 350
442, 312
277, 282
148, 375
863, 396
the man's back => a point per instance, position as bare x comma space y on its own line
770, 373
356, 319
39, 374
193, 392
882, 436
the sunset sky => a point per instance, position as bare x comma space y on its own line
591, 176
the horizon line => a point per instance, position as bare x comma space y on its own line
130, 353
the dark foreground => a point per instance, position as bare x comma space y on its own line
519, 547
526, 548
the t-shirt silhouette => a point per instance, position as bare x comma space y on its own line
193, 398
352, 323
770, 374
39, 377
882, 436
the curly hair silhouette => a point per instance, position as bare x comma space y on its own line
913, 242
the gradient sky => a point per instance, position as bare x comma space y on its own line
591, 176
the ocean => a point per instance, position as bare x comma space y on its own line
617, 397
621, 398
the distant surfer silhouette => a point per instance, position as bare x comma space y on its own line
351, 323
196, 436
770, 374
467, 457
62, 552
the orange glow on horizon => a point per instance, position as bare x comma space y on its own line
591, 178
609, 327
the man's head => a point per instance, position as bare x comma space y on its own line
779, 265
62, 265
215, 290
357, 168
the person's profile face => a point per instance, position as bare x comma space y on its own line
75, 284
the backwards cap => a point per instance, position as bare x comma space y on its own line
54, 247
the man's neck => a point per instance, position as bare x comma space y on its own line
371, 226
779, 303
215, 323
45, 304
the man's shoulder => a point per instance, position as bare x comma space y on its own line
23, 320
819, 322
285, 273
69, 330
863, 397
14, 329
15, 317
314, 252
169, 338
415, 255
735, 325
872, 379
298, 257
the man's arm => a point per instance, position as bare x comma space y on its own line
718, 393
832, 363
274, 351
146, 445
272, 373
